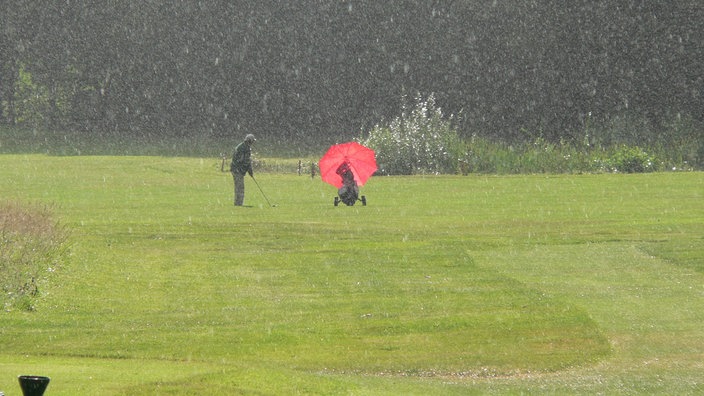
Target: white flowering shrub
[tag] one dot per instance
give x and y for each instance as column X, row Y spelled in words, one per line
column 419, row 141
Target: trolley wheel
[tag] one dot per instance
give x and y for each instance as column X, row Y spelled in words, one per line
column 337, row 201
column 364, row 200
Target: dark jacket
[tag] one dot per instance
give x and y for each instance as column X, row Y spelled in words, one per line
column 242, row 159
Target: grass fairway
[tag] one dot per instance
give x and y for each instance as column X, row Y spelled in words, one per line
column 441, row 285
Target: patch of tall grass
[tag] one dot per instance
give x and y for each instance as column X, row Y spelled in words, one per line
column 490, row 157
column 32, row 246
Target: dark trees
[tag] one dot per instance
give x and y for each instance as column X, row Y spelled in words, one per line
column 513, row 69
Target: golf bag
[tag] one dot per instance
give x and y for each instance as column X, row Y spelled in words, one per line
column 348, row 194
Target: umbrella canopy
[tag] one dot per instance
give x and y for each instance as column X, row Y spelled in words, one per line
column 359, row 158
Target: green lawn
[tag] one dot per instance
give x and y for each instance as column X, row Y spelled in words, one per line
column 441, row 285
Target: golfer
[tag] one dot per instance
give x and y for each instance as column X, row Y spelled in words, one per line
column 241, row 165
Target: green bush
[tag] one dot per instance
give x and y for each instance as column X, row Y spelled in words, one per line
column 632, row 160
column 419, row 141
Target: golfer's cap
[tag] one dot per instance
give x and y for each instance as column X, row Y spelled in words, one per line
column 250, row 138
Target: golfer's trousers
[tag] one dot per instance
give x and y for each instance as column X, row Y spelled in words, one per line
column 239, row 188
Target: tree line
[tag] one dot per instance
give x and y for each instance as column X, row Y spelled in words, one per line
column 509, row 70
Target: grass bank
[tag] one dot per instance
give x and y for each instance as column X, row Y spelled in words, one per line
column 441, row 285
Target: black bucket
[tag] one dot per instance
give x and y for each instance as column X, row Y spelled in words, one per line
column 33, row 385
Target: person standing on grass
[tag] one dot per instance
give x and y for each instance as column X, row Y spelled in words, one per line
column 241, row 165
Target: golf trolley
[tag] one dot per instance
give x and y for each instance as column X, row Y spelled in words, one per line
column 350, row 202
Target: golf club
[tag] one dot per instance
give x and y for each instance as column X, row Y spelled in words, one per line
column 262, row 191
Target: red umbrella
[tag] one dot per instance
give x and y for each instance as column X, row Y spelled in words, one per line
column 360, row 159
